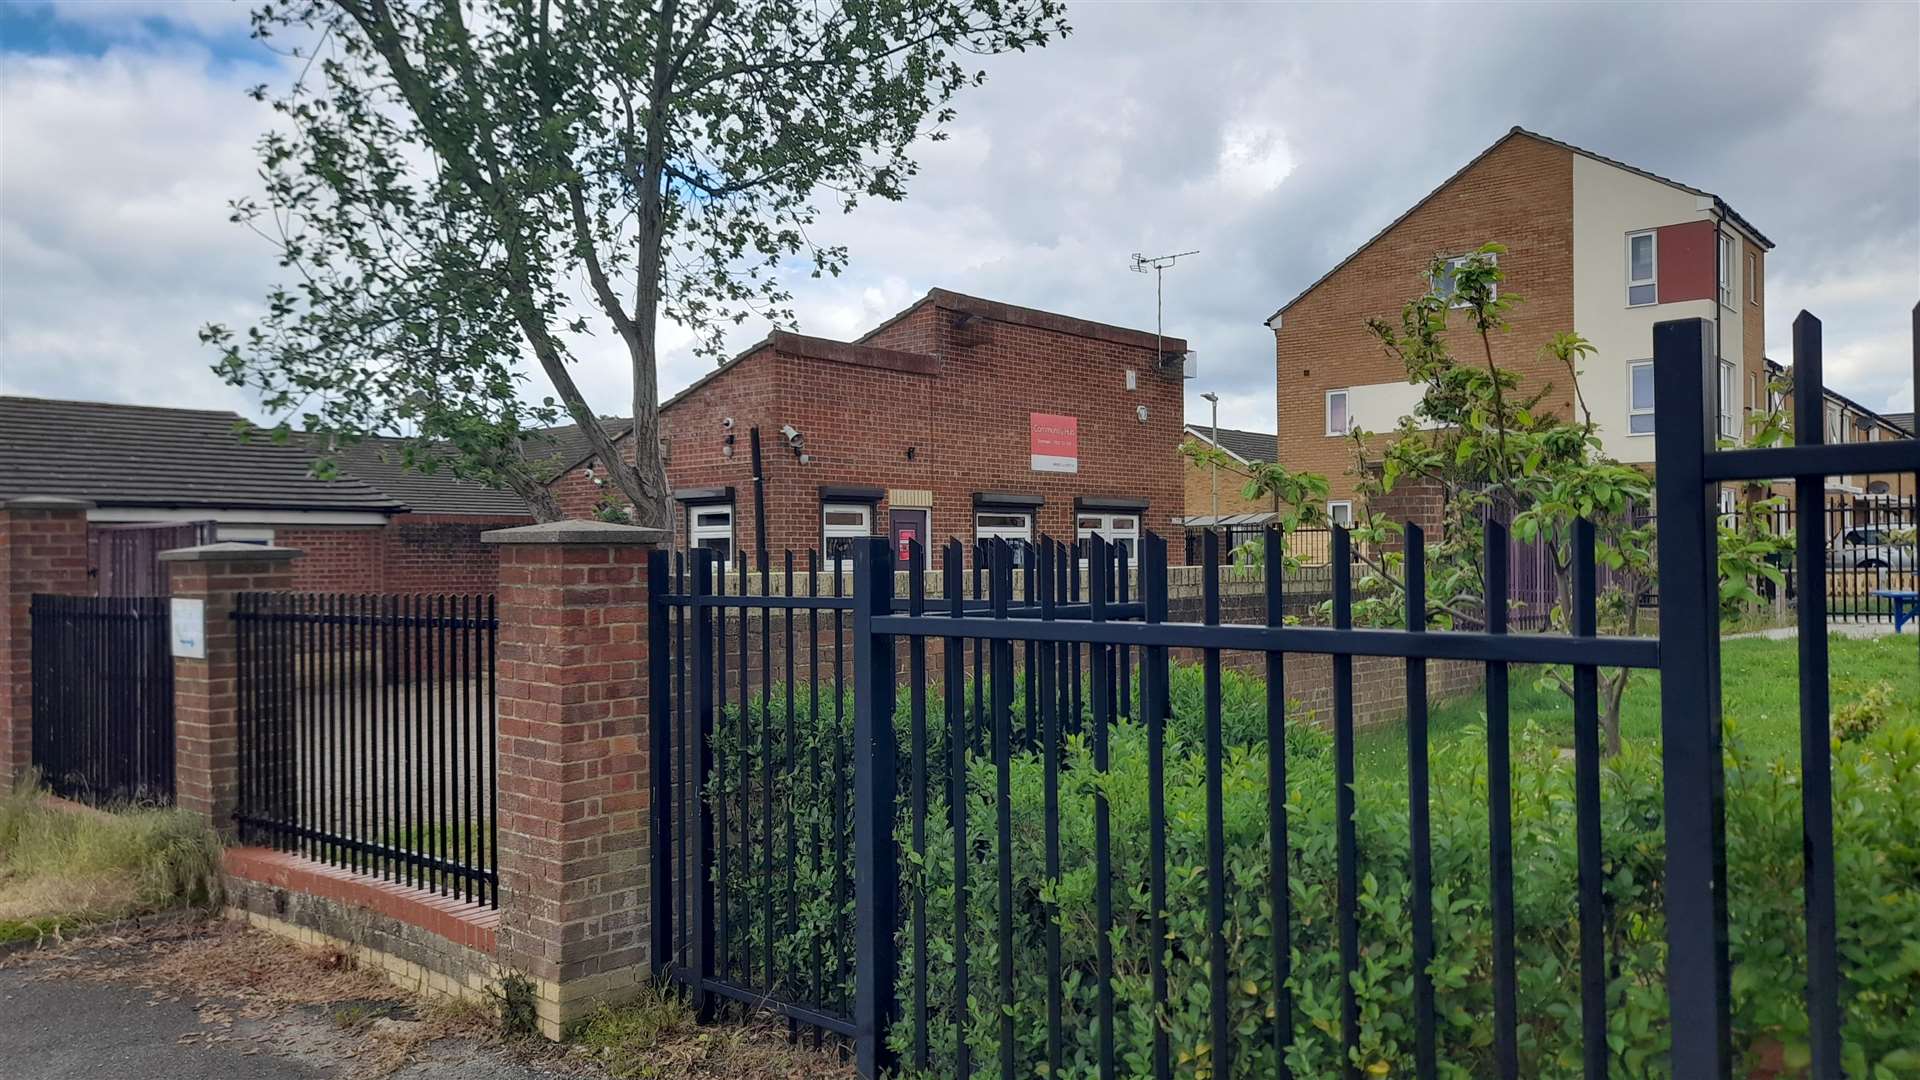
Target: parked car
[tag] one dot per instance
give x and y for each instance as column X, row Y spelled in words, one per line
column 1872, row 547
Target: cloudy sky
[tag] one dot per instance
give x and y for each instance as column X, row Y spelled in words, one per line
column 1273, row 138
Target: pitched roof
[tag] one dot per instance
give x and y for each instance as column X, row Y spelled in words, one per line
column 381, row 463
column 556, row 450
column 1519, row 132
column 137, row 455
column 1902, row 420
column 1249, row 446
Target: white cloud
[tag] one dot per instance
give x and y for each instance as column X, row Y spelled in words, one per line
column 1254, row 159
column 1272, row 139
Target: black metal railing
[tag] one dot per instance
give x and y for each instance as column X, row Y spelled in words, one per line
column 929, row 824
column 103, row 697
column 1699, row 968
column 754, row 881
column 367, row 735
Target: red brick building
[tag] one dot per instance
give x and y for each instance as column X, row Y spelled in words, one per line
column 957, row 417
column 163, row 478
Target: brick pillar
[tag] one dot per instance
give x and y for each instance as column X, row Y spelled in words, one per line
column 206, row 700
column 573, row 762
column 43, row 549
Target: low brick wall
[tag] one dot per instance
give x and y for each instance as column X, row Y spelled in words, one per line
column 421, row 942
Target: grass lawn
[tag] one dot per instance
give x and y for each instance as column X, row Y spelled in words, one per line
column 1759, row 688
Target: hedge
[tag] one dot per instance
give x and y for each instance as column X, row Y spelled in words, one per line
column 1877, row 837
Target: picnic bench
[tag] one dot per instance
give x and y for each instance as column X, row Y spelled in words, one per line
column 1906, row 605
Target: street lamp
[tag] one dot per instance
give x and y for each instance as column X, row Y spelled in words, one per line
column 1214, row 462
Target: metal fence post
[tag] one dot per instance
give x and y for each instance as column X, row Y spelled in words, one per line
column 702, row 736
column 660, row 760
column 876, row 875
column 1698, row 991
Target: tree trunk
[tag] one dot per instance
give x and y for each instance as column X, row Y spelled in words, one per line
column 539, row 497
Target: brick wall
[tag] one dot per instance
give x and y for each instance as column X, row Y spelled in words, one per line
column 441, row 553
column 1520, row 194
column 43, row 549
column 336, row 560
column 573, row 788
column 412, row 553
column 957, row 425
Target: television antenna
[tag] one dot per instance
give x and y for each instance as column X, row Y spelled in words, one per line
column 1159, row 265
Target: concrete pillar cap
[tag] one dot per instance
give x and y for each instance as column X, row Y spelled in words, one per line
column 574, row 531
column 230, row 551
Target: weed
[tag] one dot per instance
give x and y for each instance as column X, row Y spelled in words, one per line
column 514, row 998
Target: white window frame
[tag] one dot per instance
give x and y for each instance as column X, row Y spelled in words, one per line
column 698, row 533
column 1104, row 524
column 1340, row 512
column 1346, row 411
column 1020, row 535
column 1653, row 277
column 1433, row 285
column 1836, row 421
column 1753, row 277
column 830, row 532
column 1726, row 269
column 1633, row 412
column 1728, row 406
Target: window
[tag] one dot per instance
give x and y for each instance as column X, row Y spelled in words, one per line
column 1443, row 282
column 1119, row 530
column 1753, row 278
column 840, row 525
column 1753, row 395
column 1727, row 405
column 710, row 528
column 1014, row 528
column 1643, row 269
column 1640, row 398
column 240, row 534
column 1338, row 423
column 1836, row 429
column 1340, row 513
column 1726, row 270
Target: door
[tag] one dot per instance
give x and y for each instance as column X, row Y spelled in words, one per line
column 906, row 526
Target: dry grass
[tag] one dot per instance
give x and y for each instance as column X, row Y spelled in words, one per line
column 199, row 958
column 655, row 1038
column 63, row 866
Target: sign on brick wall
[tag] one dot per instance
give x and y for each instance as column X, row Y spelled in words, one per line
column 1055, row 442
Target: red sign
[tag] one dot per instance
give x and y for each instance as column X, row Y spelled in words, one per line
column 1054, row 442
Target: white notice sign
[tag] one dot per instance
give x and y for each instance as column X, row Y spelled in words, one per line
column 190, row 628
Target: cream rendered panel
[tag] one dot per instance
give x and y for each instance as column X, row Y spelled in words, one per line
column 1379, row 406
column 1609, row 203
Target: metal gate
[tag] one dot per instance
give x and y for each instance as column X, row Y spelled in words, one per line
column 103, row 697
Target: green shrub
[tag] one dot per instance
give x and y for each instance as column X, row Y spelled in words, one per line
column 1877, row 832
column 1855, row 720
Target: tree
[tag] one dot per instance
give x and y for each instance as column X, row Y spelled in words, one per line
column 1298, row 498
column 1497, row 454
column 457, row 172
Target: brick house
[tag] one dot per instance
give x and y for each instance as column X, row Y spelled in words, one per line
column 1845, row 420
column 1205, row 501
column 161, row 478
column 1593, row 245
column 957, row 417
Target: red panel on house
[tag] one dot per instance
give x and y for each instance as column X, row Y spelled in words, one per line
column 1687, row 269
